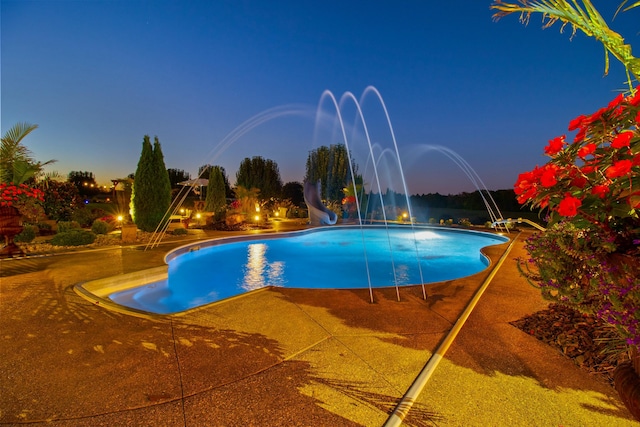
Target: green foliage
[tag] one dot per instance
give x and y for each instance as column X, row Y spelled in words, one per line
column 44, row 227
column 586, row 19
column 151, row 196
column 216, row 200
column 246, row 199
column 261, row 174
column 83, row 216
column 180, row 232
column 65, row 226
column 77, row 237
column 465, row 222
column 100, row 227
column 294, row 192
column 330, row 166
column 61, row 199
column 28, row 234
column 16, row 164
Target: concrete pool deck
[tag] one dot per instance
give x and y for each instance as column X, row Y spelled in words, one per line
column 282, row 357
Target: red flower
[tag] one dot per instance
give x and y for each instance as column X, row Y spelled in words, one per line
column 635, row 99
column 555, row 146
column 580, row 135
column 576, row 123
column 579, row 181
column 569, row 205
column 548, row 177
column 586, row 150
column 616, row 101
column 622, row 139
column 597, row 115
column 600, row 190
column 348, row 199
column 544, row 202
column 526, row 180
column 618, row 169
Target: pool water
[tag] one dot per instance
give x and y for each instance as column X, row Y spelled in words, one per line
column 332, row 257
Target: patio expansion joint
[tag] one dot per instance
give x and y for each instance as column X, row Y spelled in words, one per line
column 342, row 343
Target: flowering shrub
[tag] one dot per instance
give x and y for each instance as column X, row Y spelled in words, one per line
column 26, row 199
column 61, row 200
column 12, row 195
column 595, row 177
column 589, row 258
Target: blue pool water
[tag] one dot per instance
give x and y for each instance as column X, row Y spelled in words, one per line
column 333, row 257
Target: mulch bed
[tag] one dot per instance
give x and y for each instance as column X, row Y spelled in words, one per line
column 592, row 345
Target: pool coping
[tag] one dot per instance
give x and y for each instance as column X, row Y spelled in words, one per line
column 97, row 291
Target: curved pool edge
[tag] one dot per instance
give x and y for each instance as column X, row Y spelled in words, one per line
column 98, row 291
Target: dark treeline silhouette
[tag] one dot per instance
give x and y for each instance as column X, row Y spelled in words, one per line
column 505, row 199
column 457, row 207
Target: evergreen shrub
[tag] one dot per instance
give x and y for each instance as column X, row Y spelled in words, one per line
column 180, row 231
column 100, row 227
column 27, row 235
column 65, row 226
column 76, row 237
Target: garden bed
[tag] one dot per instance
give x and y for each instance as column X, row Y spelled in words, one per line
column 592, row 345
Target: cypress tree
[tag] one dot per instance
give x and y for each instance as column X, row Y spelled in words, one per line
column 216, row 195
column 140, row 199
column 151, row 195
column 162, row 185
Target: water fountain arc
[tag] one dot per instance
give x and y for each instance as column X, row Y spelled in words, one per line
column 240, row 130
column 492, row 207
column 347, row 98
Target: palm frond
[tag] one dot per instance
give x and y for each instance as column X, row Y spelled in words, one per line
column 636, row 4
column 586, row 19
column 19, row 131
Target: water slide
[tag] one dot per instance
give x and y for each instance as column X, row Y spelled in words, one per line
column 319, row 214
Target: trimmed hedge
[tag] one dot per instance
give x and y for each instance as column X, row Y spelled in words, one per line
column 180, row 231
column 27, row 235
column 100, row 227
column 76, row 237
column 64, row 226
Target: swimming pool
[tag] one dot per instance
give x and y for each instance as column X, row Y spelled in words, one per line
column 326, row 257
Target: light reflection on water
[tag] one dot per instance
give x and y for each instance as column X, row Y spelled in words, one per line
column 258, row 271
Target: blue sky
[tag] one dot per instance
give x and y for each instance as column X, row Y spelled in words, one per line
column 96, row 76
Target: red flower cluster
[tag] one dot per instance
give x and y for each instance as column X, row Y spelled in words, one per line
column 11, row 193
column 348, row 199
column 597, row 171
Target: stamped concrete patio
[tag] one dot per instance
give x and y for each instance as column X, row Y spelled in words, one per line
column 281, row 357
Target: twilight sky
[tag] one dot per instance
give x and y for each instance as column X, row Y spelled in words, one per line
column 218, row 81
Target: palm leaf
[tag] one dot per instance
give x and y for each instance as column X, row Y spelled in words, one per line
column 586, row 19
column 16, row 162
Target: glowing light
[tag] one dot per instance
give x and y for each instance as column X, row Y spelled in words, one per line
column 120, row 218
column 198, row 216
column 257, row 217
